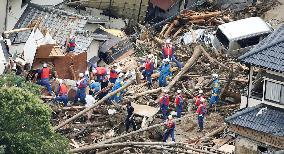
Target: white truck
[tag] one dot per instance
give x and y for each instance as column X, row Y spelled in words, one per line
column 237, row 37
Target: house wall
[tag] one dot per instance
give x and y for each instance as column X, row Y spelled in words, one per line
column 2, row 15
column 124, row 8
column 245, row 146
column 251, row 101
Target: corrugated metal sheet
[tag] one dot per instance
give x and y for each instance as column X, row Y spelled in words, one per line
column 262, row 118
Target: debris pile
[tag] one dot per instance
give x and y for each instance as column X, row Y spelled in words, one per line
column 48, row 35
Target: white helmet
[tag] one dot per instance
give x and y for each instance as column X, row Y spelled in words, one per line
column 86, row 72
column 170, row 116
column 92, row 81
column 60, row 81
column 200, row 91
column 81, row 75
column 121, row 75
column 94, row 71
column 168, row 40
column 166, row 60
column 115, row 65
column 178, row 91
column 202, row 100
column 44, row 65
column 215, row 75
column 165, row 90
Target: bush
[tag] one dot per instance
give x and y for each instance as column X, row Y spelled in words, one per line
column 25, row 120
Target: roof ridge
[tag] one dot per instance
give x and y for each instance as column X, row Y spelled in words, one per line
column 242, row 111
column 264, row 40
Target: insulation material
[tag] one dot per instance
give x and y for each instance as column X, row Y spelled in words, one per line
column 30, row 48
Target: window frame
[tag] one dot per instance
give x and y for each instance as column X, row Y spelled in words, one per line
column 266, row 80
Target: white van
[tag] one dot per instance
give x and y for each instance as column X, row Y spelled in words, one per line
column 239, row 36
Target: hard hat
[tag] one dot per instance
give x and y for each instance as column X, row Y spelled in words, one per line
column 202, row 100
column 121, row 75
column 115, row 65
column 81, row 75
column 200, row 91
column 168, row 40
column 166, row 60
column 44, row 65
column 86, row 72
column 92, row 81
column 215, row 75
column 165, row 90
column 72, row 36
column 94, row 71
column 60, row 81
column 178, row 91
column 170, row 116
column 14, row 67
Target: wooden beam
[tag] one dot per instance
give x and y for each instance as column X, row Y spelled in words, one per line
column 17, row 30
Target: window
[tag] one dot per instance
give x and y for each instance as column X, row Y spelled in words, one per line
column 222, row 38
column 274, row 92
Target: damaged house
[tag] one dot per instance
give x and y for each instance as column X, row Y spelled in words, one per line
column 259, row 125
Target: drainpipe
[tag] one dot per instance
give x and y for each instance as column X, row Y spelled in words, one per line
column 6, row 16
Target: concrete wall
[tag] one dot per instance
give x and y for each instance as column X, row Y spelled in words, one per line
column 2, row 15
column 245, row 146
column 123, row 8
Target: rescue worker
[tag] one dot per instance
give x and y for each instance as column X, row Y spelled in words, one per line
column 168, row 52
column 71, row 44
column 94, row 87
column 118, row 84
column 100, row 73
column 81, row 91
column 44, row 78
column 62, row 93
column 201, row 110
column 104, row 89
column 198, row 98
column 164, row 104
column 170, row 125
column 113, row 73
column 129, row 118
column 149, row 70
column 179, row 103
column 165, row 73
column 216, row 86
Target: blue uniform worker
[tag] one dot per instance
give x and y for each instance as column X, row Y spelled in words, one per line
column 179, row 103
column 164, row 104
column 170, row 124
column 216, row 86
column 149, row 70
column 81, row 91
column 62, row 93
column 168, row 52
column 94, row 87
column 165, row 72
column 118, row 84
column 44, row 78
column 201, row 110
column 129, row 118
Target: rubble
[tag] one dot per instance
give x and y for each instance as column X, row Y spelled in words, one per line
column 41, row 36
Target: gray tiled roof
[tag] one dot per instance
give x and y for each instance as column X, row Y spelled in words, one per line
column 58, row 23
column 262, row 118
column 269, row 53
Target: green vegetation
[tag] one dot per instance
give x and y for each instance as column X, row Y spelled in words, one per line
column 25, row 120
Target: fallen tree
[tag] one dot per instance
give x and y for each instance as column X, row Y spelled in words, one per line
column 127, row 144
column 94, row 105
